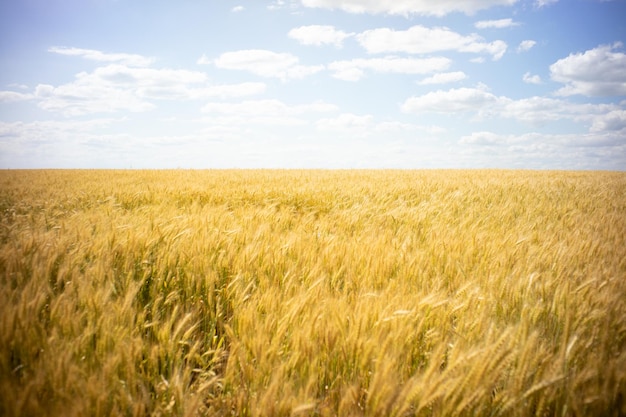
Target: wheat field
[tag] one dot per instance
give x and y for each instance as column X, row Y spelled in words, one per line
column 312, row 293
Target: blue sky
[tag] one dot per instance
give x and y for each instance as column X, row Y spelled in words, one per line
column 533, row 84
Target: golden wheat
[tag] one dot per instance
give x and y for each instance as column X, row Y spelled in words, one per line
column 373, row 293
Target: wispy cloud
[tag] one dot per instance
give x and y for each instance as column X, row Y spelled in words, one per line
column 444, row 78
column 14, row 96
column 94, row 55
column 292, row 5
column 452, row 101
column 265, row 64
column 353, row 70
column 528, row 78
column 495, row 24
column 526, row 45
column 543, row 3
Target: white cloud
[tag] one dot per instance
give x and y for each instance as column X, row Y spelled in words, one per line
column 534, row 111
column 133, row 60
column 117, row 87
column 88, row 94
column 531, row 79
column 127, row 83
column 444, row 78
column 596, row 72
column 495, row 24
column 265, row 64
column 538, row 111
column 420, row 40
column 237, row 9
column 144, row 77
column 408, row 7
column 319, row 35
column 526, row 45
column 353, row 70
column 451, row 101
column 613, row 121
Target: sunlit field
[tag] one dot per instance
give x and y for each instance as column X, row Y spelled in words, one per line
column 312, row 293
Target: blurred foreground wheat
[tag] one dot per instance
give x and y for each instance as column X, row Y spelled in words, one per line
column 374, row 293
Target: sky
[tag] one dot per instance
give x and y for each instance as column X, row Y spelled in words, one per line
column 339, row 84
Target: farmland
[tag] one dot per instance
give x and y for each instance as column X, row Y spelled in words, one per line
column 352, row 293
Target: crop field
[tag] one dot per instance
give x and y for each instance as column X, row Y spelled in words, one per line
column 312, row 293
